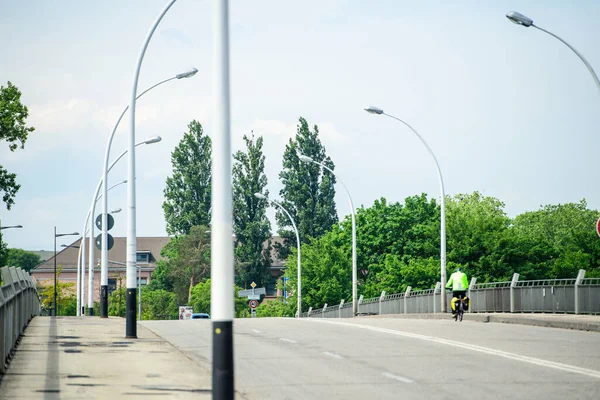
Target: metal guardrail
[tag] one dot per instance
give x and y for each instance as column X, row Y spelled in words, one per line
column 19, row 303
column 576, row 296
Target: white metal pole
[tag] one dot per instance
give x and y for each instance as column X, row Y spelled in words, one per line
column 83, row 258
column 299, row 289
column 79, row 276
column 104, row 250
column 442, row 216
column 222, row 304
column 91, row 254
column 130, row 320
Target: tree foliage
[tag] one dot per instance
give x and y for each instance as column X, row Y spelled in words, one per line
column 64, row 296
column 188, row 191
column 14, row 130
column 251, row 225
column 308, row 193
column 200, row 300
column 188, row 263
column 275, row 308
column 22, row 259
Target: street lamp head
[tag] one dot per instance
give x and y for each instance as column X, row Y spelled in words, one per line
column 374, row 110
column 304, row 158
column 519, row 19
column 187, row 73
column 154, row 139
column 10, row 227
column 260, row 196
column 118, row 210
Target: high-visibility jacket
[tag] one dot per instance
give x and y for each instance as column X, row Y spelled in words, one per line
column 458, row 281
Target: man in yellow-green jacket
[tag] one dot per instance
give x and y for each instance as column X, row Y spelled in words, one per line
column 459, row 283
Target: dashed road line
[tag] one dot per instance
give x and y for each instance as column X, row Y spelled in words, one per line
column 287, row 340
column 398, row 378
column 332, row 355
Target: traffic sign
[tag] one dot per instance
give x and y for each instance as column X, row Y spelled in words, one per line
column 110, row 221
column 110, row 241
column 250, row 292
column 598, row 227
column 254, row 297
column 253, row 304
column 253, row 285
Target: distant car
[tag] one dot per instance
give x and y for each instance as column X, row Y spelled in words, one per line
column 200, row 316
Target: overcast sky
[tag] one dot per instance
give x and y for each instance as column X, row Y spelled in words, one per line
column 509, row 111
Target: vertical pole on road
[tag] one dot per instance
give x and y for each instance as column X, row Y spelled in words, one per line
column 130, row 300
column 221, row 229
column 55, row 303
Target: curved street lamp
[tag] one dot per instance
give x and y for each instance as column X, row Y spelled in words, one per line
column 55, row 280
column 522, row 20
column 130, row 320
column 379, row 111
column 104, row 251
column 307, row 159
column 88, row 220
column 263, row 197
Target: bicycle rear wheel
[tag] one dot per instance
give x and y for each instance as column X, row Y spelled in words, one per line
column 461, row 311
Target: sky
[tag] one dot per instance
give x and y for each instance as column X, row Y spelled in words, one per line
column 508, row 111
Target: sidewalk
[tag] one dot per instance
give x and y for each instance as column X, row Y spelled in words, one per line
column 565, row 321
column 89, row 358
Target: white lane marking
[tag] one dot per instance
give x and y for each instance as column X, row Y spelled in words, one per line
column 255, row 330
column 531, row 360
column 398, row 378
column 287, row 340
column 332, row 354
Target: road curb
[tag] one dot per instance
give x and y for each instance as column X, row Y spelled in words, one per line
column 566, row 321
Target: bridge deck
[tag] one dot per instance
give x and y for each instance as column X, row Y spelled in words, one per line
column 77, row 358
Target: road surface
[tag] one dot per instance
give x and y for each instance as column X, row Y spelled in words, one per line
column 381, row 358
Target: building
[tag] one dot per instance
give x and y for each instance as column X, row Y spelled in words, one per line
column 148, row 255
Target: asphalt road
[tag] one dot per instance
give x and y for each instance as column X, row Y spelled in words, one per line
column 379, row 358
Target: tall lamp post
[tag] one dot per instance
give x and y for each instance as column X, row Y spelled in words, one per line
column 307, row 159
column 152, row 140
column 104, row 250
column 88, row 220
column 130, row 300
column 263, row 197
column 379, row 111
column 522, row 20
column 55, row 280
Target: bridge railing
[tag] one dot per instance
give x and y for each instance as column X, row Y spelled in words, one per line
column 579, row 296
column 19, row 303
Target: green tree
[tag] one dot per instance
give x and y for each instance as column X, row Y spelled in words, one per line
column 250, row 223
column 14, row 130
column 158, row 304
column 478, row 236
column 64, row 296
column 23, row 259
column 188, row 190
column 187, row 263
column 308, row 193
column 397, row 246
column 116, row 300
column 275, row 308
column 556, row 241
column 200, row 300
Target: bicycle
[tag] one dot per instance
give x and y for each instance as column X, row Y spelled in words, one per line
column 460, row 310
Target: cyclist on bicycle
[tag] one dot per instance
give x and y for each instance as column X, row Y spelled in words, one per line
column 459, row 283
